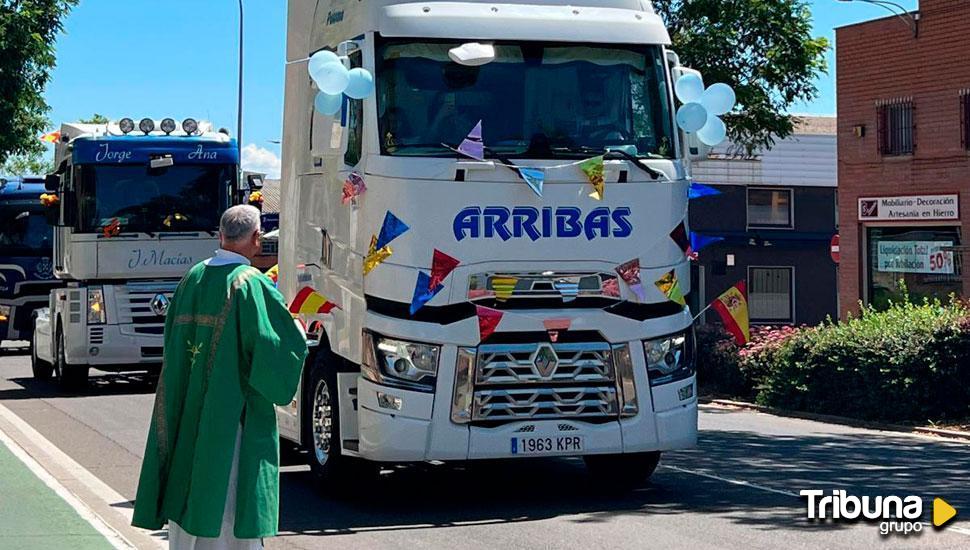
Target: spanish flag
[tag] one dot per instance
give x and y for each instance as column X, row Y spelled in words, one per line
column 733, row 308
column 52, row 137
column 311, row 302
column 274, row 273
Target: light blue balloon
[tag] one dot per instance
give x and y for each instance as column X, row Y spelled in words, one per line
column 713, row 132
column 332, row 78
column 689, row 88
column 328, row 104
column 320, row 59
column 691, row 117
column 361, row 84
column 718, row 99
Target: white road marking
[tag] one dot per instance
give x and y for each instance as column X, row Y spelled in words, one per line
column 114, row 538
column 100, row 489
column 729, row 480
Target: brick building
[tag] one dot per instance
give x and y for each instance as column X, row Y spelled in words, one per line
column 903, row 89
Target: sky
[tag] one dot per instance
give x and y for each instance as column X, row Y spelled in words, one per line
column 178, row 58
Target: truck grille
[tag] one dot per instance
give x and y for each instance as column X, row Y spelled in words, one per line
column 134, row 308
column 544, row 381
column 545, row 403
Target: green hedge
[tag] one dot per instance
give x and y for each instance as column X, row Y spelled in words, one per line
column 908, row 363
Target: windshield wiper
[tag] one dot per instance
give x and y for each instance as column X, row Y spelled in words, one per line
column 586, row 150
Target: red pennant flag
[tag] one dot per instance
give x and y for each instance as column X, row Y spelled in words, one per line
column 679, row 235
column 488, row 320
column 555, row 326
column 441, row 266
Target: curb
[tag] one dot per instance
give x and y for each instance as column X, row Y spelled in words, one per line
column 961, row 437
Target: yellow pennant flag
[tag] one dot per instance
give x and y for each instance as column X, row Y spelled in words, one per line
column 595, row 172
column 670, row 286
column 504, row 287
column 375, row 256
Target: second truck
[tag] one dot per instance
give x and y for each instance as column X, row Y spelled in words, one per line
column 136, row 208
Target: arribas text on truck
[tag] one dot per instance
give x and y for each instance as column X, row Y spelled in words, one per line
column 578, row 364
column 136, row 208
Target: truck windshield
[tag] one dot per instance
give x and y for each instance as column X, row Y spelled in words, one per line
column 143, row 199
column 24, row 230
column 535, row 100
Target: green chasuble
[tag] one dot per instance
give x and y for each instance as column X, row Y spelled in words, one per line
column 232, row 350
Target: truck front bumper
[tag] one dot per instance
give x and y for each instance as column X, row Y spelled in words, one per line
column 410, row 434
column 109, row 348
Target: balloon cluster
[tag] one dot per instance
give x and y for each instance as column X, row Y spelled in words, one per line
column 702, row 108
column 335, row 81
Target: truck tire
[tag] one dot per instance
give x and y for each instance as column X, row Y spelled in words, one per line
column 69, row 376
column 42, row 369
column 332, row 471
column 623, row 471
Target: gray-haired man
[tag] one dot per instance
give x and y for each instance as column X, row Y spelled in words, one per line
column 232, row 350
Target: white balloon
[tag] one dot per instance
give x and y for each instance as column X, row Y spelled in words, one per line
column 328, row 104
column 361, row 84
column 320, row 59
column 332, row 78
column 718, row 99
column 713, row 132
column 689, row 88
column 691, row 117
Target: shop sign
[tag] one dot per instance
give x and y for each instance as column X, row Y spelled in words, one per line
column 934, row 257
column 911, row 208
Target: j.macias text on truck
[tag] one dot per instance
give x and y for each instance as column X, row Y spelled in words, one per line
column 137, row 207
column 552, row 84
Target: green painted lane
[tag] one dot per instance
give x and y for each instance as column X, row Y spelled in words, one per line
column 32, row 516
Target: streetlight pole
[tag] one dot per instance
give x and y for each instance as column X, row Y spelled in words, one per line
column 239, row 105
column 911, row 19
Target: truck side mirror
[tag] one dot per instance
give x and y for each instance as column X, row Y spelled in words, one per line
column 694, row 150
column 52, row 182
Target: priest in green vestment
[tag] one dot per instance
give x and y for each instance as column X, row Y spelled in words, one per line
column 232, row 351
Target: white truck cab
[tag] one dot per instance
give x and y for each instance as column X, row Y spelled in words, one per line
column 567, row 81
column 137, row 208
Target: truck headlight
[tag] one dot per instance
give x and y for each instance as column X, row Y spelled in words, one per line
column 408, row 365
column 4, row 313
column 670, row 358
column 96, row 313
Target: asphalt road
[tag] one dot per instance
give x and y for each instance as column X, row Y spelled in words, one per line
column 738, row 489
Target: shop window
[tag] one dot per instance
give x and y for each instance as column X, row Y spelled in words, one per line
column 771, row 294
column 770, row 208
column 918, row 262
column 897, row 125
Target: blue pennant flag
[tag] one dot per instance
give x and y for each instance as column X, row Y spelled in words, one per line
column 697, row 241
column 698, row 190
column 423, row 294
column 534, row 177
column 392, row 229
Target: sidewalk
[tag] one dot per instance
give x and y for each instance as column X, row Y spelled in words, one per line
column 33, row 516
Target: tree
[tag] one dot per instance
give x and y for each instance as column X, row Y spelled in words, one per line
column 96, row 119
column 28, row 29
column 764, row 49
column 27, row 165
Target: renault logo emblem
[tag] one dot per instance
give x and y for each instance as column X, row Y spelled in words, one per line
column 545, row 360
column 159, row 305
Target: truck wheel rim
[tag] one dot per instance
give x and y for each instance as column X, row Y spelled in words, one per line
column 322, row 422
